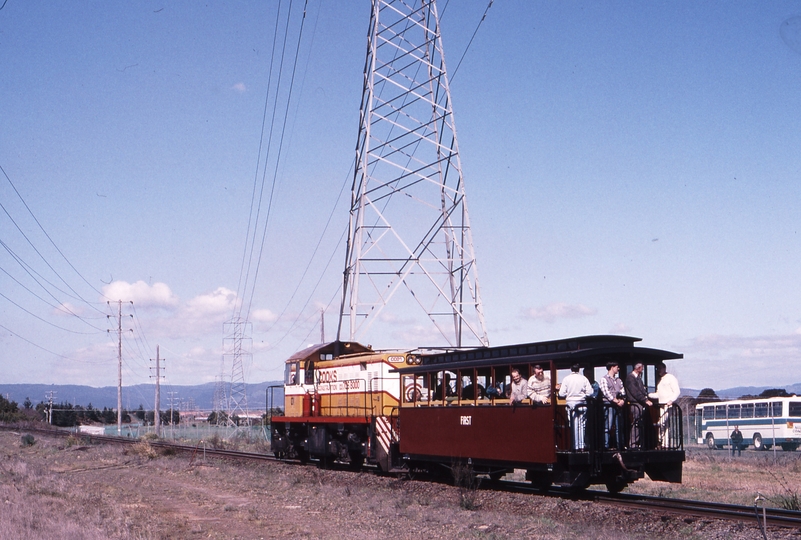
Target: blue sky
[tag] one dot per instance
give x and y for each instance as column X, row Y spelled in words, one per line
column 631, row 168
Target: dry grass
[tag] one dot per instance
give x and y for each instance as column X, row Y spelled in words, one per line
column 715, row 476
column 51, row 490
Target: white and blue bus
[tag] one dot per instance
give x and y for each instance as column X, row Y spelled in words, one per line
column 764, row 423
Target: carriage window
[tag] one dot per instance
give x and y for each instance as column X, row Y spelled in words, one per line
column 709, row 413
column 415, row 388
column 795, row 408
column 720, row 412
column 747, row 410
column 734, row 411
column 649, row 378
column 776, row 407
column 446, row 385
column 483, row 382
column 502, row 378
column 760, row 410
column 470, row 390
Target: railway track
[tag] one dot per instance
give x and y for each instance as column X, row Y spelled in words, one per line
column 774, row 517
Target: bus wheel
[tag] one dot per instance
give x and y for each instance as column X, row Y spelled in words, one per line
column 710, row 441
column 789, row 447
column 758, row 442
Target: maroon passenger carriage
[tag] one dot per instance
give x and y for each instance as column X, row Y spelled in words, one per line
column 440, row 426
column 447, row 416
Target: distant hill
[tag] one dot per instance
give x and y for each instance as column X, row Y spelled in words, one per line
column 738, row 391
column 133, row 396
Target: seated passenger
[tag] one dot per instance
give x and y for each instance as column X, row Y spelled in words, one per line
column 495, row 391
column 539, row 387
column 449, row 392
column 473, row 391
column 518, row 390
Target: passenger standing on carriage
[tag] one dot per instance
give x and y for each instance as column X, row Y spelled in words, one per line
column 518, row 388
column 667, row 392
column 575, row 389
column 638, row 399
column 613, row 394
column 539, row 387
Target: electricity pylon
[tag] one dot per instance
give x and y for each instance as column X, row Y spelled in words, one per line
column 236, row 346
column 409, row 226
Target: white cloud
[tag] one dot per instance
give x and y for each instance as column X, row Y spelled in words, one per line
column 559, row 310
column 620, row 328
column 263, row 315
column 239, row 87
column 724, row 361
column 141, row 294
column 68, row 309
column 218, row 302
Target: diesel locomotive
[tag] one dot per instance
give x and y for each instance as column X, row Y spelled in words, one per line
column 406, row 411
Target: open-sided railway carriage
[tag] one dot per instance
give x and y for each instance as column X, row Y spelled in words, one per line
column 407, row 411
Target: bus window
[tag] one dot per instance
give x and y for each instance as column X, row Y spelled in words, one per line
column 760, row 410
column 747, row 410
column 734, row 411
column 709, row 413
column 720, row 412
column 795, row 408
column 776, row 409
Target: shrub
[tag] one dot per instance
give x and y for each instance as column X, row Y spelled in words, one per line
column 27, row 440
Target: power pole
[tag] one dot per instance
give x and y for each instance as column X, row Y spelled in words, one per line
column 172, row 398
column 409, row 228
column 49, row 395
column 322, row 325
column 158, row 376
column 119, row 366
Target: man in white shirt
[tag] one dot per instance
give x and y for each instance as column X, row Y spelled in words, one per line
column 575, row 388
column 667, row 392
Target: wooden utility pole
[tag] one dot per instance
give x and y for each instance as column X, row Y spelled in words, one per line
column 157, row 411
column 119, row 369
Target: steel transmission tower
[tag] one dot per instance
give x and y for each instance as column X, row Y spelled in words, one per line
column 236, row 346
column 409, row 229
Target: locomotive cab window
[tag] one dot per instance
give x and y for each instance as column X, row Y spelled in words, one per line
column 291, row 373
column 309, row 372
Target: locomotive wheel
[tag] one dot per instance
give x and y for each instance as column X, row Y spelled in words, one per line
column 758, row 444
column 495, row 476
column 541, row 483
column 710, row 441
column 616, row 485
column 356, row 460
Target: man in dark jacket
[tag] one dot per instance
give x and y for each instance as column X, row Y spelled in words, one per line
column 736, row 441
column 638, row 399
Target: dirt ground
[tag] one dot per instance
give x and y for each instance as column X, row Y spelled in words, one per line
column 59, row 488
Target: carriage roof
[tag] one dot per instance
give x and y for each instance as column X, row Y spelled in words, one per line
column 589, row 351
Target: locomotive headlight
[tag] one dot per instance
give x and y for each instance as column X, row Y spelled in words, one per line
column 410, row 360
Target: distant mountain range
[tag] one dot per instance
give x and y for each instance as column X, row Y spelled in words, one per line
column 201, row 395
column 734, row 393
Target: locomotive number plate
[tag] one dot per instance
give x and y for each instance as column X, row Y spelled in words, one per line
column 467, row 420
